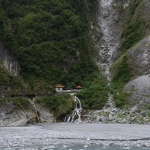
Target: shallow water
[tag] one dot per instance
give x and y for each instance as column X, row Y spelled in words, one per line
column 74, row 147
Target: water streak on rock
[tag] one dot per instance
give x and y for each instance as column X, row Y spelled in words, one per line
column 35, row 110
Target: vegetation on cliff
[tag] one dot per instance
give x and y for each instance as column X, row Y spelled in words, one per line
column 134, row 28
column 52, row 44
column 9, row 84
column 17, row 102
column 58, row 104
column 122, row 71
column 50, row 40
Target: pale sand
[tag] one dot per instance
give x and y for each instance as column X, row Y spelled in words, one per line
column 82, row 133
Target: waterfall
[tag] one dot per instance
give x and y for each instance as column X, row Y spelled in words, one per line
column 76, row 112
column 109, row 42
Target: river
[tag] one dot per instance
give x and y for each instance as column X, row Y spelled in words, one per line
column 69, row 136
column 75, row 147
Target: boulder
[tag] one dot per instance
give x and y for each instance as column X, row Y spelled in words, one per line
column 139, row 90
column 140, row 57
column 45, row 115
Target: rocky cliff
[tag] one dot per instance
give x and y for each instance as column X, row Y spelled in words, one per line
column 139, row 57
column 11, row 115
column 134, row 53
column 8, row 60
column 124, row 45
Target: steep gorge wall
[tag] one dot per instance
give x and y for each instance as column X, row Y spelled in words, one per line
column 134, row 53
column 106, row 32
column 130, row 61
column 10, row 81
column 121, row 36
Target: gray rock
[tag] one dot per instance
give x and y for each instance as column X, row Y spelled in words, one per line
column 11, row 116
column 9, row 106
column 110, row 117
column 134, row 109
column 46, row 116
column 20, row 122
column 143, row 113
column 141, row 57
column 98, row 119
column 103, row 119
column 8, row 60
column 139, row 90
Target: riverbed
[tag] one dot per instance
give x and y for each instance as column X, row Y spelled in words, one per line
column 127, row 135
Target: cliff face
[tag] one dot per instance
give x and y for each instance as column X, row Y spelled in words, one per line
column 130, row 61
column 132, row 68
column 10, row 115
column 140, row 57
column 139, row 87
column 121, row 35
column 8, row 60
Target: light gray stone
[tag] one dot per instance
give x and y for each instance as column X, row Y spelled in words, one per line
column 141, row 57
column 139, row 90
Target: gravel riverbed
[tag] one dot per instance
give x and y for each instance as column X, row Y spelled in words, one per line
column 81, row 133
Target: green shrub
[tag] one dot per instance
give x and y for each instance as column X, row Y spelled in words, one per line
column 121, row 99
column 59, row 104
column 95, row 94
column 123, row 72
